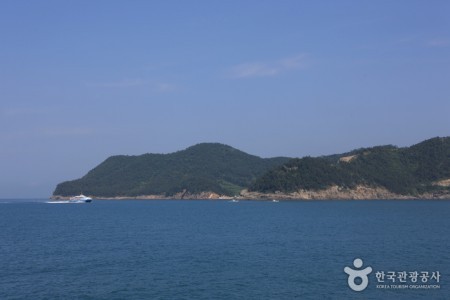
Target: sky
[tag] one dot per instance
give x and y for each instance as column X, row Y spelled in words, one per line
column 83, row 80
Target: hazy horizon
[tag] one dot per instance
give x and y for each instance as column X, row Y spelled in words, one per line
column 81, row 81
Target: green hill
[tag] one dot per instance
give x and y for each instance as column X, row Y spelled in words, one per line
column 208, row 167
column 407, row 171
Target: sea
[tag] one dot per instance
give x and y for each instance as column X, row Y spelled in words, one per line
column 216, row 249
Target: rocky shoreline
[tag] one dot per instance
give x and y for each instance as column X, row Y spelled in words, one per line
column 359, row 192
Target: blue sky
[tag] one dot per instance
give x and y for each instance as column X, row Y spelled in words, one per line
column 83, row 80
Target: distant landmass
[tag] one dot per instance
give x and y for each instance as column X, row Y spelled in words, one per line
column 383, row 172
column 212, row 170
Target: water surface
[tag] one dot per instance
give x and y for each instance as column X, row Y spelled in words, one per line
column 164, row 249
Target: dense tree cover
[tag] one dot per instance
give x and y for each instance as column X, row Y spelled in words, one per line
column 401, row 170
column 204, row 167
column 224, row 170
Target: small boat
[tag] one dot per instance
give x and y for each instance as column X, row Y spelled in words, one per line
column 80, row 199
column 76, row 199
column 275, row 200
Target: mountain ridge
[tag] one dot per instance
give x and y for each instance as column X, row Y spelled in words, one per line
column 400, row 172
column 213, row 170
column 211, row 167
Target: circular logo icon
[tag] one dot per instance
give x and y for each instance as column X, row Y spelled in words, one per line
column 353, row 274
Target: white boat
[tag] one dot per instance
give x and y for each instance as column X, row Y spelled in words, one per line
column 80, row 199
column 275, row 200
column 76, row 199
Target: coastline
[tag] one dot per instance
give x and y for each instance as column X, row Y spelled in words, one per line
column 359, row 192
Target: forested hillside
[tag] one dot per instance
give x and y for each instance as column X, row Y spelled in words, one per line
column 421, row 168
column 408, row 171
column 204, row 167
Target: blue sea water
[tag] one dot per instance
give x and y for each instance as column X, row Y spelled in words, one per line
column 167, row 249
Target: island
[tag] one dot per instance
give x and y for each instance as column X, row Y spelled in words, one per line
column 217, row 171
